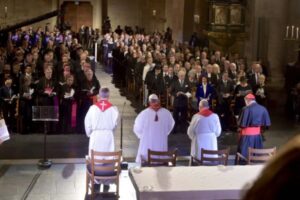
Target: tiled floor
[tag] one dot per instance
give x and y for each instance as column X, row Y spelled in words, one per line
column 60, row 182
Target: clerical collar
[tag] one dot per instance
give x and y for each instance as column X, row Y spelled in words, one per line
column 155, row 107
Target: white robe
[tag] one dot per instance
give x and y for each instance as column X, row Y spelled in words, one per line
column 99, row 127
column 203, row 131
column 152, row 134
column 4, row 134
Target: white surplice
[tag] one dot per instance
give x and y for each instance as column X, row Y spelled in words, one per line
column 99, row 127
column 4, row 134
column 203, row 131
column 152, row 134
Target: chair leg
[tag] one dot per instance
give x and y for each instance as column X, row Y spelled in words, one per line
column 191, row 161
column 87, row 184
column 92, row 191
column 117, row 189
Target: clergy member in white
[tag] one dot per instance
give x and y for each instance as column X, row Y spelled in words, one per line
column 100, row 123
column 204, row 129
column 152, row 126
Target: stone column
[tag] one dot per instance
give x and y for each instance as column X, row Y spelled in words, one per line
column 188, row 21
column 97, row 14
column 174, row 18
column 267, row 20
column 293, row 19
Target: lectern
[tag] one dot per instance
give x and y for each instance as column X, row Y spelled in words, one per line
column 45, row 114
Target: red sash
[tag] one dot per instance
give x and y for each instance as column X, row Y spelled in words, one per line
column 103, row 105
column 250, row 130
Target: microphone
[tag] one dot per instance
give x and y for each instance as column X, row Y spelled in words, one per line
column 121, row 127
column 124, row 165
column 123, row 108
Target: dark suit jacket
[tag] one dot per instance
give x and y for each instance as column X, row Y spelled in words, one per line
column 154, row 83
column 213, row 80
column 180, row 100
column 169, row 81
column 223, row 89
column 252, row 81
column 6, row 93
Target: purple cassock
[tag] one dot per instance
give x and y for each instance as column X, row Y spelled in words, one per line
column 252, row 118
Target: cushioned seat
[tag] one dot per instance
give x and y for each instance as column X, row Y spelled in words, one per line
column 103, row 168
column 102, row 173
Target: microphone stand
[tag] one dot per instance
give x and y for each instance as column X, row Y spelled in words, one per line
column 124, row 165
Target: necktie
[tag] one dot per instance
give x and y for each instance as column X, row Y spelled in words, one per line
column 256, row 78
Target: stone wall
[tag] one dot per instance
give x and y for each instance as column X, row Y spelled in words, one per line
column 18, row 11
column 124, row 12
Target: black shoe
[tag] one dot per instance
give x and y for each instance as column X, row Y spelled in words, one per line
column 106, row 188
column 96, row 187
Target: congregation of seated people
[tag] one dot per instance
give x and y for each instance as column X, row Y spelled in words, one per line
column 182, row 74
column 46, row 68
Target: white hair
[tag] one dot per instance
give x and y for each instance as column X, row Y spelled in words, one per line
column 204, row 103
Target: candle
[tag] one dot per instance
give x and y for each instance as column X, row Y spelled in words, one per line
column 5, row 9
column 96, row 51
column 153, row 12
column 297, row 33
column 287, row 32
column 292, row 32
column 196, row 19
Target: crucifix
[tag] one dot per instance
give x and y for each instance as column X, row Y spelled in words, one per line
column 103, row 104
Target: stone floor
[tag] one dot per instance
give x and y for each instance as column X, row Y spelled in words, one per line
column 60, row 182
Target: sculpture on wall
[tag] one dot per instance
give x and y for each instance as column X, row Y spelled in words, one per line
column 235, row 14
column 220, row 15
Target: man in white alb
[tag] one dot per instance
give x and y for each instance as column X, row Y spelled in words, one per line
column 100, row 123
column 152, row 126
column 204, row 129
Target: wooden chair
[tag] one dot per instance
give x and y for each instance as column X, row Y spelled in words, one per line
column 211, row 157
column 161, row 158
column 103, row 166
column 257, row 156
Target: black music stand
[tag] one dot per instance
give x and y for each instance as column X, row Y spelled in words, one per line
column 45, row 114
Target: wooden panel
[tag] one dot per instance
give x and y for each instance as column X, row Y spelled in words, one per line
column 77, row 15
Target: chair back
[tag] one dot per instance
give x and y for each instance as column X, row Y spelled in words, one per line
column 162, row 158
column 105, row 167
column 214, row 157
column 108, row 163
column 258, row 156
